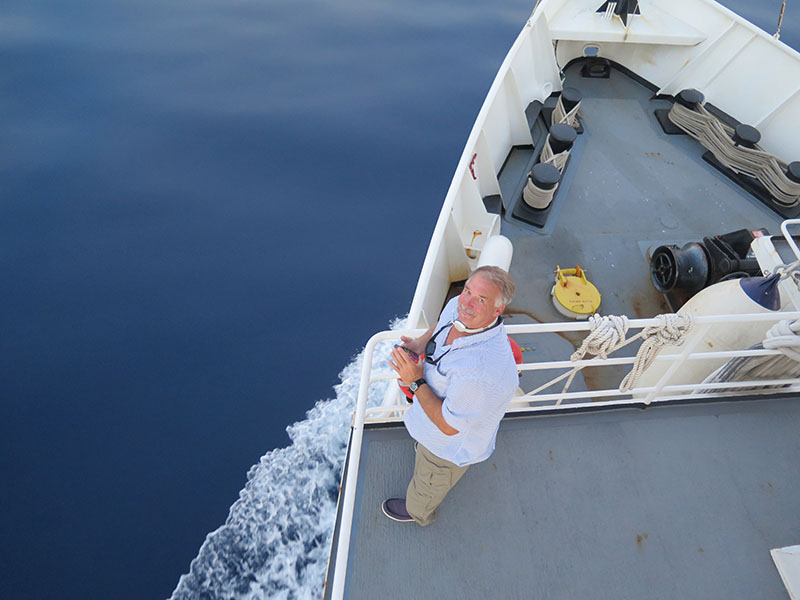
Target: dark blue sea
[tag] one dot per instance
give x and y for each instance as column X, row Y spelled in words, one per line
column 206, row 209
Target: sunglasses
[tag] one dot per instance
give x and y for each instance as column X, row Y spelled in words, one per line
column 430, row 348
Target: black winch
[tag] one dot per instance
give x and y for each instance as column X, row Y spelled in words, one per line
column 679, row 273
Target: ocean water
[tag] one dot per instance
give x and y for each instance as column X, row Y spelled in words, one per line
column 207, row 209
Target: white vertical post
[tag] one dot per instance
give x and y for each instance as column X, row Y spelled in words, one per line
column 788, row 236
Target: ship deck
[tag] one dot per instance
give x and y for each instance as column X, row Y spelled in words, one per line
column 628, row 188
column 677, row 501
column 681, row 501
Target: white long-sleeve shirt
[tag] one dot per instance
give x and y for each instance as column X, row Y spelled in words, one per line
column 476, row 379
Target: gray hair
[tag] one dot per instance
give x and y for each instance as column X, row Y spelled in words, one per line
column 499, row 278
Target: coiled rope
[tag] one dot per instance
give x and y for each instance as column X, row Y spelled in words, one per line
column 557, row 160
column 608, row 335
column 784, row 337
column 672, row 331
column 754, row 162
column 560, row 115
column 536, row 197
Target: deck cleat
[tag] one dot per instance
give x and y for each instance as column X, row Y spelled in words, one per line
column 573, row 295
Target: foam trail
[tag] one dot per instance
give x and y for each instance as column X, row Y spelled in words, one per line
column 275, row 542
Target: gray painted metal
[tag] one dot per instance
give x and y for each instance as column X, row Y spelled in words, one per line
column 681, row 501
column 674, row 502
column 628, row 188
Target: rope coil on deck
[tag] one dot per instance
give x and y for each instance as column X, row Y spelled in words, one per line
column 783, row 336
column 753, row 162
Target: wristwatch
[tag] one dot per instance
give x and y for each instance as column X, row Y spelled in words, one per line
column 414, row 385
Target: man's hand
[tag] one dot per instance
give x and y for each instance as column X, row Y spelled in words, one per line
column 405, row 366
column 410, row 371
column 416, row 345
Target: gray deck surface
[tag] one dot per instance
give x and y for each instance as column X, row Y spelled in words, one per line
column 672, row 502
column 628, row 187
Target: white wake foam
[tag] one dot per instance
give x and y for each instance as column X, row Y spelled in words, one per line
column 275, row 542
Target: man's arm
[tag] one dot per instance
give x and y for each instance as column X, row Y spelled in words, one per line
column 432, row 405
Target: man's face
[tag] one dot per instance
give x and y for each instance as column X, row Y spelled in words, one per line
column 476, row 304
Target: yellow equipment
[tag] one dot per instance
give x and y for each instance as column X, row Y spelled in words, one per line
column 573, row 295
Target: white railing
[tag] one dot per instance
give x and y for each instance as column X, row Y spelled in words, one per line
column 660, row 392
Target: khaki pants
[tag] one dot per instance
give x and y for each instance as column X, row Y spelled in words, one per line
column 433, row 478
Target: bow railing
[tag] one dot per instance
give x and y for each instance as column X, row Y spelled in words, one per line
column 545, row 399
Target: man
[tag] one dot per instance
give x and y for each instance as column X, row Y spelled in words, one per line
column 462, row 384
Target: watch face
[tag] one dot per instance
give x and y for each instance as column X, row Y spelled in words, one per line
column 413, row 387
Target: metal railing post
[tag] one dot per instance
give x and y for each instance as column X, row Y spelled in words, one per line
column 702, row 325
column 348, row 502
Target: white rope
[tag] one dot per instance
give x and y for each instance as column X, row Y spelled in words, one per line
column 557, row 160
column 753, row 162
column 608, row 335
column 784, row 336
column 536, row 197
column 789, row 270
column 560, row 114
column 672, row 331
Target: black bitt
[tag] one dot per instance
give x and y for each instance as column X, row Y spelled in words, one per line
column 570, row 98
column 746, row 135
column 793, row 171
column 562, row 136
column 689, row 98
column 545, row 176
